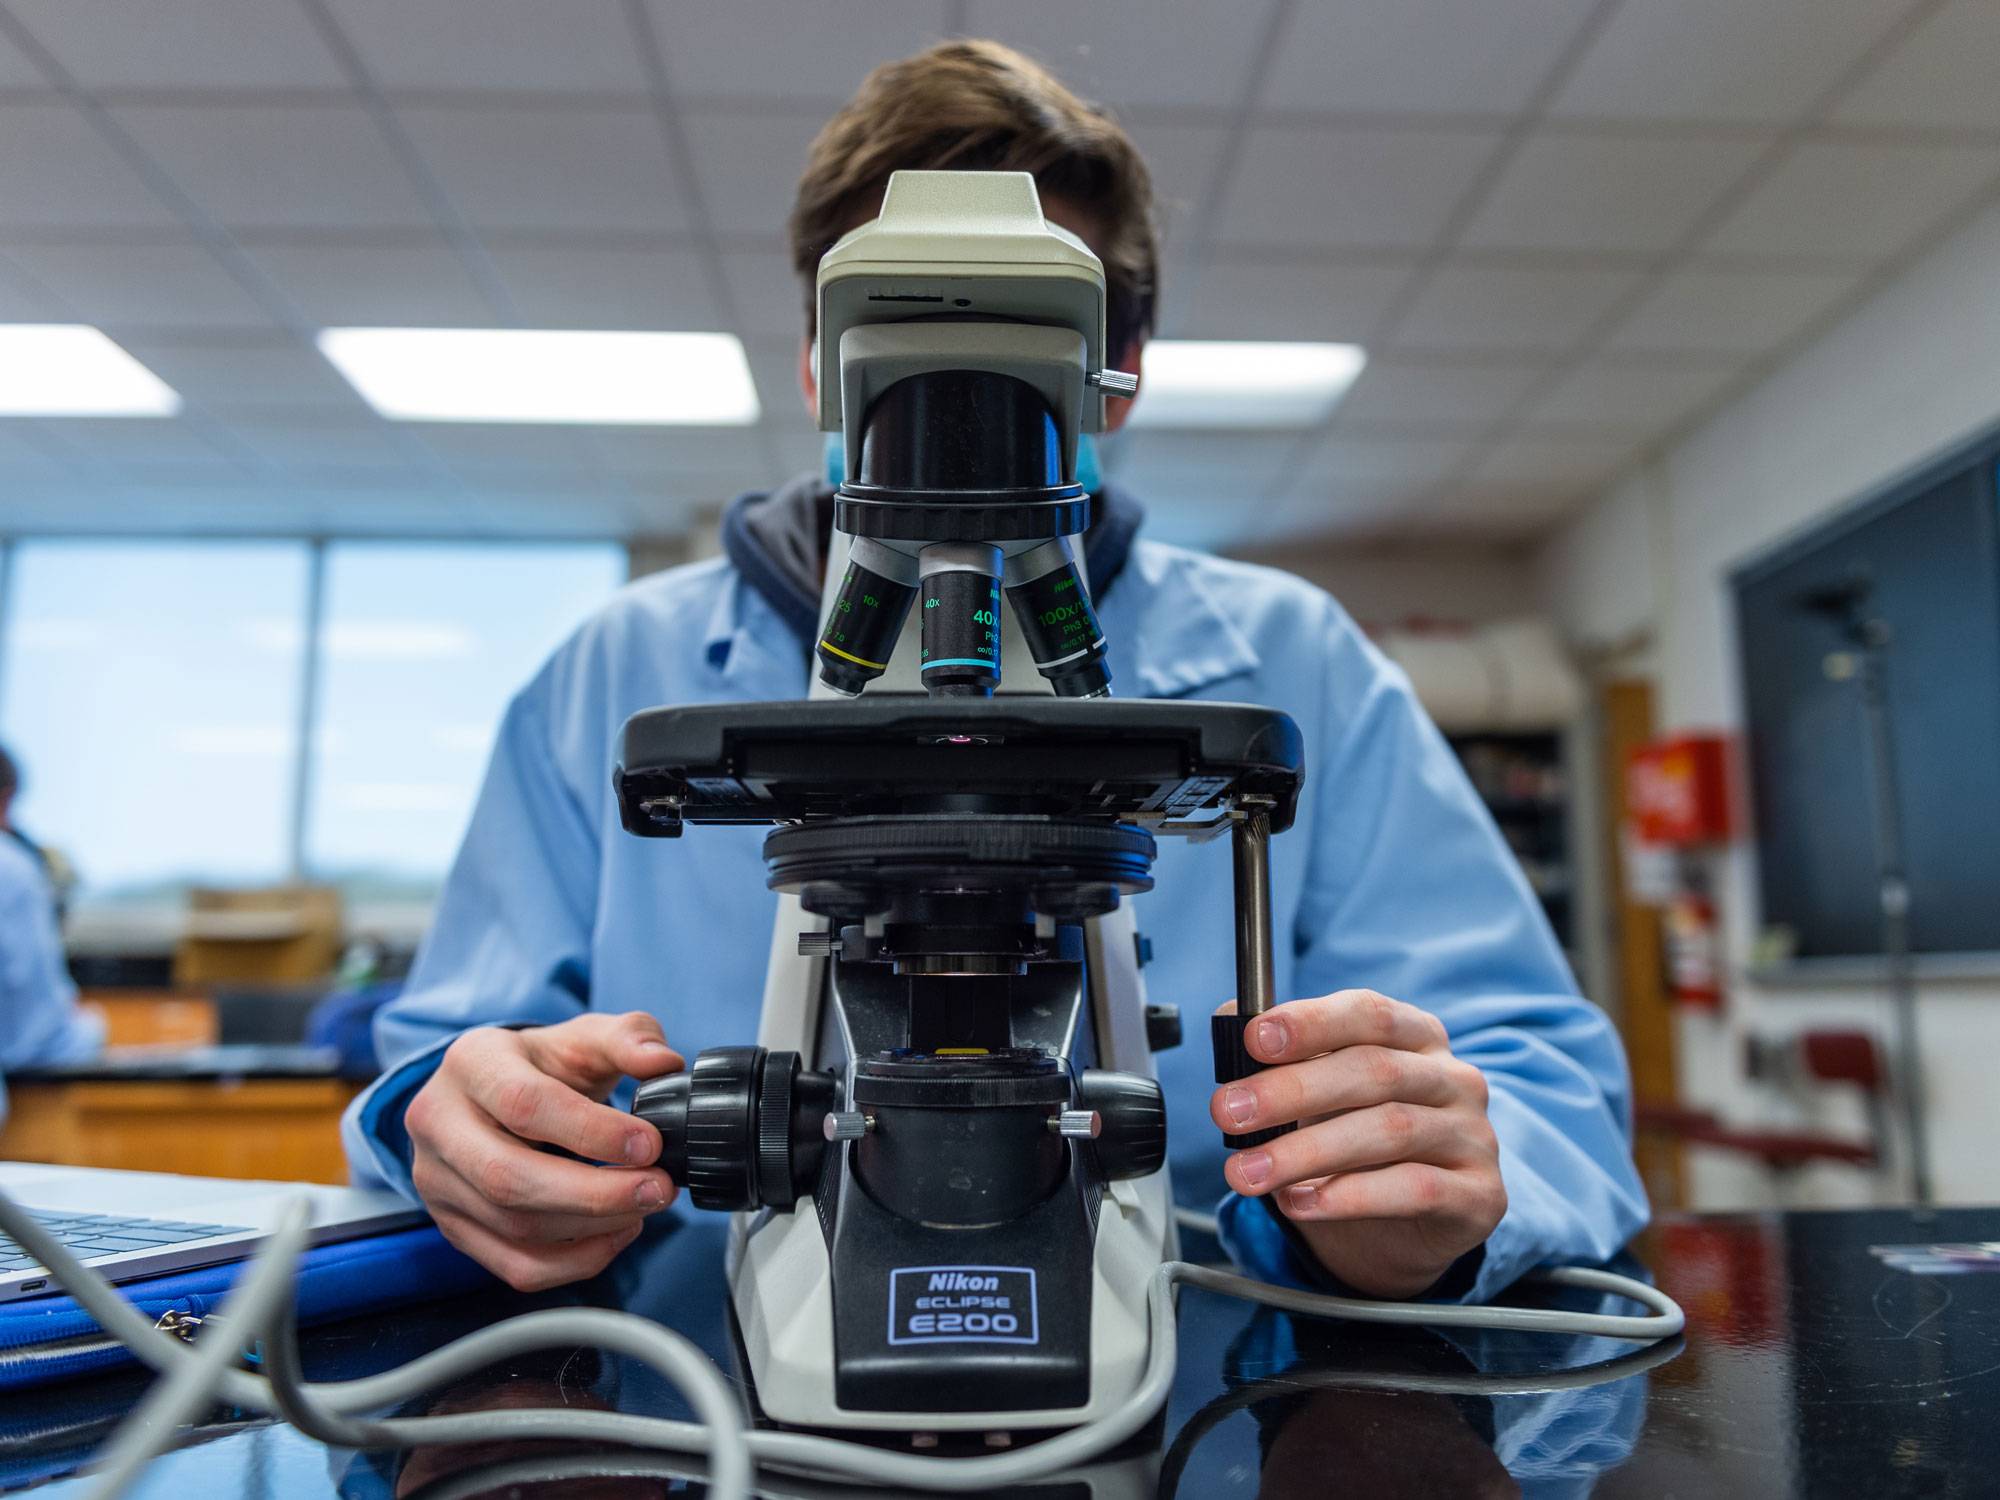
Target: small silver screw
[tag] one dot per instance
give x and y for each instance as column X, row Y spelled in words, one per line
column 846, row 1125
column 1078, row 1124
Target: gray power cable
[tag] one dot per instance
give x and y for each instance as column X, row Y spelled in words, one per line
column 176, row 1401
column 325, row 1411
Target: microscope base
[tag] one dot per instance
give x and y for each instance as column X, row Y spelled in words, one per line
column 781, row 1281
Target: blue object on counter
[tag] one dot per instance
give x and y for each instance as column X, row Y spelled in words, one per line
column 52, row 1338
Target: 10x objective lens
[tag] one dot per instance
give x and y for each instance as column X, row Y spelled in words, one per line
column 866, row 617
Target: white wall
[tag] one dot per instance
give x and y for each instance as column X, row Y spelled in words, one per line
column 1384, row 584
column 1910, row 372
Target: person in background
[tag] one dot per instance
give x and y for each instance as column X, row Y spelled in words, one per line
column 40, row 1019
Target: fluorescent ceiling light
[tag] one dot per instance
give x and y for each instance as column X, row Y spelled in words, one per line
column 546, row 375
column 1203, row 383
column 71, row 370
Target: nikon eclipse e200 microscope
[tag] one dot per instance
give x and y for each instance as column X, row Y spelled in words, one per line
column 946, row 1153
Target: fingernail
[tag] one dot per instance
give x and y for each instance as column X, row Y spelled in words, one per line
column 1301, row 1197
column 649, row 1196
column 651, row 1045
column 1270, row 1036
column 638, row 1149
column 1254, row 1166
column 1239, row 1104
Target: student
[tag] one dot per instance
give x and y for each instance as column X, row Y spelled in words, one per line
column 40, row 1020
column 1470, row 1127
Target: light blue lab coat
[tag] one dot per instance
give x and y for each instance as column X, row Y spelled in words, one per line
column 1393, row 878
column 40, row 1021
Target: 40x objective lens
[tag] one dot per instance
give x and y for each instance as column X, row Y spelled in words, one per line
column 961, row 620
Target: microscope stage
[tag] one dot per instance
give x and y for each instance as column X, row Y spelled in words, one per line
column 1160, row 762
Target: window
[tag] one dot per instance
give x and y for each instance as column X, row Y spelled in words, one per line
column 151, row 695
column 421, row 647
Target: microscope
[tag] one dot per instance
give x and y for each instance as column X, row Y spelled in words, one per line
column 945, row 1155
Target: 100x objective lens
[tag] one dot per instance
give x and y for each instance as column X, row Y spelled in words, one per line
column 1046, row 589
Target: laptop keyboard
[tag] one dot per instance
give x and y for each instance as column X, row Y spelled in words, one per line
column 95, row 1236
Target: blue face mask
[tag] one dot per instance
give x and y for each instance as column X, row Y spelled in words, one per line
column 1088, row 474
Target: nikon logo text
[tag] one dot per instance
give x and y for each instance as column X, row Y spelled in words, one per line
column 958, row 1281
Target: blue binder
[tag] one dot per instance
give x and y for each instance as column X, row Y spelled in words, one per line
column 52, row 1338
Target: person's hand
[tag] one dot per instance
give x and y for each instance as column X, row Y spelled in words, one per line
column 1393, row 1171
column 534, row 1219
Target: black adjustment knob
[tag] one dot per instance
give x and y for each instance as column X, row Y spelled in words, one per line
column 741, row 1128
column 1132, row 1139
column 721, row 1127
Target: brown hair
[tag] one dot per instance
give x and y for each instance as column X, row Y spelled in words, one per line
column 979, row 106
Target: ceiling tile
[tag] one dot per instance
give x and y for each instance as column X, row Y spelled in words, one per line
column 580, row 170
column 23, row 457
column 1429, row 56
column 749, row 167
column 305, row 166
column 56, row 171
column 115, row 441
column 1241, row 298
column 242, row 379
column 242, row 44
column 1368, row 464
column 652, row 451
column 802, row 52
column 1642, row 400
column 1127, row 53
column 1863, row 201
column 366, row 286
column 16, row 72
column 590, row 286
column 23, row 299
column 1729, row 311
column 776, row 373
column 1182, row 161
column 355, row 446
column 1228, row 469
column 169, row 284
column 1482, row 308
column 1606, row 193
column 579, row 46
column 768, row 299
column 1943, row 74
column 1736, row 61
column 495, row 446
column 1395, row 391
column 1350, row 188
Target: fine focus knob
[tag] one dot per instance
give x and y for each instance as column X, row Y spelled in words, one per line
column 1132, row 1132
column 740, row 1129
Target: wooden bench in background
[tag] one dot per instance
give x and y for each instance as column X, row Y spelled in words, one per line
column 166, row 1099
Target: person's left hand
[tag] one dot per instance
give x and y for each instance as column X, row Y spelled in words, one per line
column 1393, row 1172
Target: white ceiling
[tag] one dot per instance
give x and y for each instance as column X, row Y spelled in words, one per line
column 1563, row 229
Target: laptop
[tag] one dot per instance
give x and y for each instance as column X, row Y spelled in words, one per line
column 126, row 1225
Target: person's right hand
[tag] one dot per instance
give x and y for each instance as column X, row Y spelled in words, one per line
column 534, row 1219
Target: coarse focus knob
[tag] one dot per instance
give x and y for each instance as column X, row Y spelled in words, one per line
column 740, row 1129
column 1132, row 1130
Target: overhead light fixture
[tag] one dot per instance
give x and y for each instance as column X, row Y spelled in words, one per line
column 73, row 370
column 547, row 375
column 1222, row 383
